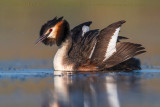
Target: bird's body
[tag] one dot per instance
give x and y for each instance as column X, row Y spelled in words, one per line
column 81, row 49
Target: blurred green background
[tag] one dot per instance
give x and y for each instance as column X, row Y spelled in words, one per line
column 21, row 21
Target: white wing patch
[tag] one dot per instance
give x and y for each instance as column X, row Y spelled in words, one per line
column 85, row 29
column 92, row 51
column 112, row 44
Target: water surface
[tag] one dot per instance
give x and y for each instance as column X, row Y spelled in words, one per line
column 48, row 88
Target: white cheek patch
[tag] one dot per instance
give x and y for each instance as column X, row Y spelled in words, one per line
column 53, row 33
column 85, row 29
column 112, row 44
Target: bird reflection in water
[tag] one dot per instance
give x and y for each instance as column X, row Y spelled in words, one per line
column 82, row 89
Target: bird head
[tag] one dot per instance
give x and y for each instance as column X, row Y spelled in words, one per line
column 54, row 31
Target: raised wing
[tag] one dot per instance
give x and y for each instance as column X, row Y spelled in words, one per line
column 125, row 51
column 79, row 30
column 82, row 49
column 106, row 43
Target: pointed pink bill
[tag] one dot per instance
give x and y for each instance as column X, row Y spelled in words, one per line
column 41, row 39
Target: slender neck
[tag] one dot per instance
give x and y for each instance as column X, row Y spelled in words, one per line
column 61, row 57
column 65, row 46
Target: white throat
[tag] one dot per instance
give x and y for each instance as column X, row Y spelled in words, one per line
column 60, row 58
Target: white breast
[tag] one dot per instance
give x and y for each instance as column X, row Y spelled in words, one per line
column 59, row 61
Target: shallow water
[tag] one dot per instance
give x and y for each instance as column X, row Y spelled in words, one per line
column 32, row 87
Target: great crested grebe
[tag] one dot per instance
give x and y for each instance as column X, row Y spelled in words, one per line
column 81, row 49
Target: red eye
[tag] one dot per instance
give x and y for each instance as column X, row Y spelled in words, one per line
column 50, row 30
